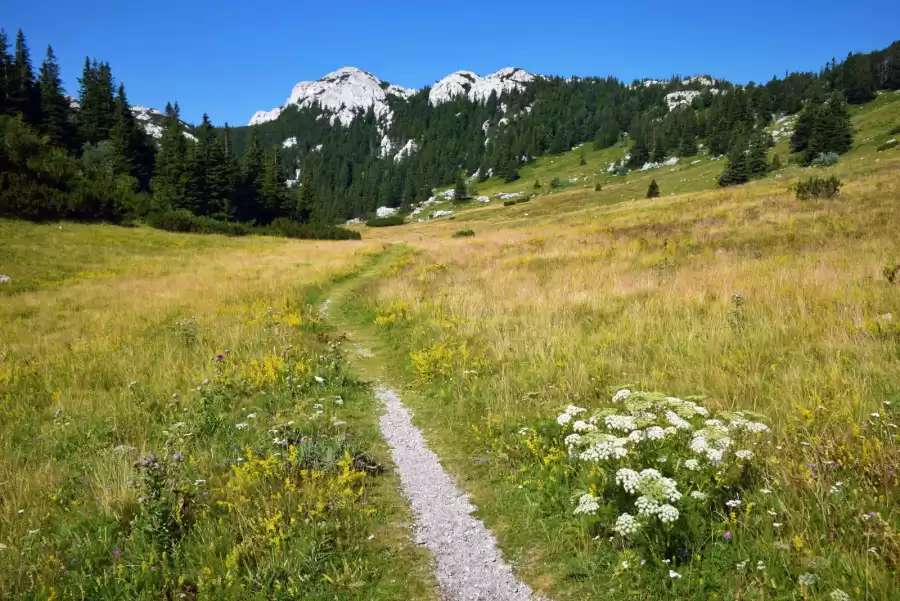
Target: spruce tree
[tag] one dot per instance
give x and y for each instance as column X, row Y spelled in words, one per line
column 273, row 187
column 653, row 189
column 170, row 179
column 250, row 189
column 5, row 69
column 460, row 192
column 25, row 97
column 55, row 114
column 305, row 200
column 737, row 168
column 757, row 155
column 97, row 113
column 124, row 136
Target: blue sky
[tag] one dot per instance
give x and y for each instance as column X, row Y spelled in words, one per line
column 230, row 58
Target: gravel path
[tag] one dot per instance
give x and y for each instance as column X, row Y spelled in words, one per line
column 469, row 565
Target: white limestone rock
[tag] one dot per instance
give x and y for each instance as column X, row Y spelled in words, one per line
column 385, row 211
column 477, row 88
column 408, row 149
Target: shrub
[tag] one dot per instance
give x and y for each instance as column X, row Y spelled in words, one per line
column 818, row 187
column 887, row 145
column 388, row 221
column 464, row 234
column 509, row 203
column 895, row 130
column 521, row 200
column 597, row 187
column 657, row 467
column 555, row 183
column 182, row 220
column 890, row 272
column 311, row 231
column 653, row 189
column 537, row 184
column 826, row 159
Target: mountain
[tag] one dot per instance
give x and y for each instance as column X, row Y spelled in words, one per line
column 349, row 91
column 345, row 93
column 152, row 121
column 476, row 88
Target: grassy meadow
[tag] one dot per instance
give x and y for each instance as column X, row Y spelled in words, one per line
column 177, row 423
column 745, row 298
column 178, row 420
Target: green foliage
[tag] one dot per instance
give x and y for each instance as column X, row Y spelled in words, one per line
column 653, row 189
column 182, row 220
column 390, row 220
column 597, row 187
column 555, row 183
column 523, row 199
column 460, row 192
column 464, row 234
column 891, row 271
column 537, row 184
column 826, row 159
column 818, row 187
column 509, row 203
column 310, row 231
column 887, row 145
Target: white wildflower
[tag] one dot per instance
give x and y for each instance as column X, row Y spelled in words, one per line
column 756, row 427
column 692, row 464
column 523, row 431
column 838, row 595
column 251, row 416
column 582, row 426
column 670, row 430
column 587, row 505
column 628, row 478
column 677, row 421
column 743, row 454
column 674, row 575
column 700, row 496
column 647, row 506
column 636, row 436
column 319, row 379
column 777, row 524
column 733, row 503
column 563, row 419
column 766, row 491
column 624, row 423
column 807, row 579
column 572, row 441
column 573, row 410
column 761, row 566
column 714, row 456
column 836, row 488
column 667, row 513
column 242, row 425
column 699, row 444
column 338, row 401
column 624, row 565
column 655, row 433
column 713, row 422
column 626, row 525
column 621, row 395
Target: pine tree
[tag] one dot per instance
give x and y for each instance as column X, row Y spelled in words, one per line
column 24, row 94
column 124, row 136
column 757, row 155
column 653, row 189
column 55, row 113
column 250, row 189
column 581, row 160
column 460, row 192
column 170, row 180
column 97, row 113
column 5, row 73
column 221, row 175
column 736, row 169
column 273, row 187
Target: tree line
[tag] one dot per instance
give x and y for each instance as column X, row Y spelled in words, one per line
column 90, row 158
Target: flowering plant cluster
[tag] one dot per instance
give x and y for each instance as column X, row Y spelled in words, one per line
column 650, row 458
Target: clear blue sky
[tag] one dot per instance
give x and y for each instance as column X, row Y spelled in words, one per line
column 230, row 58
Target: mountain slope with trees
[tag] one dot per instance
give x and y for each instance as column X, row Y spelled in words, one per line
column 93, row 159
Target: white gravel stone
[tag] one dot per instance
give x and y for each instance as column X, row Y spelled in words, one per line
column 469, row 565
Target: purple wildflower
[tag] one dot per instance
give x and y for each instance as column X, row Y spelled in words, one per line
column 728, row 536
column 116, row 553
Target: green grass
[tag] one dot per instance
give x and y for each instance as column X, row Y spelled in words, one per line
column 163, row 433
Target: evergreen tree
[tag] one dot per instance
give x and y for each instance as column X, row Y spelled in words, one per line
column 305, row 200
column 273, row 187
column 737, row 168
column 250, row 188
column 640, row 152
column 757, row 155
column 221, row 174
column 24, row 94
column 581, row 160
column 171, row 175
column 653, row 189
column 460, row 192
column 97, row 112
column 511, row 172
column 5, row 73
column 858, row 79
column 55, row 114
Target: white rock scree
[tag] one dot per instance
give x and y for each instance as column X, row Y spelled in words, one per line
column 469, row 565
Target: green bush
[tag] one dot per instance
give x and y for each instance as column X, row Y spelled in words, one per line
column 597, row 187
column 289, row 228
column 521, row 200
column 386, row 221
column 555, row 183
column 818, row 187
column 887, row 145
column 182, row 220
column 509, row 203
column 895, row 130
column 464, row 234
column 826, row 159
